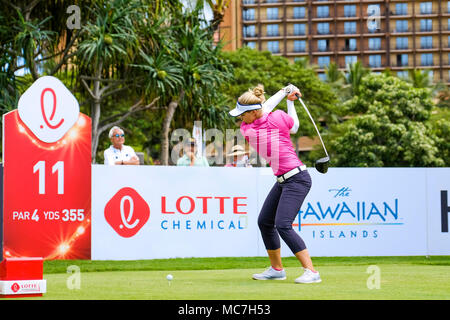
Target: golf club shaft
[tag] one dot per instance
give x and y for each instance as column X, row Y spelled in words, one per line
column 312, row 120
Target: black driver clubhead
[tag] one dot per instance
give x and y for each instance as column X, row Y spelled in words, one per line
column 322, row 164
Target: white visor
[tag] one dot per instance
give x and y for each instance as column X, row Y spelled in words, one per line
column 241, row 108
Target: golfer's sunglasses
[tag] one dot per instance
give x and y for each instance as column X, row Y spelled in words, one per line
column 119, row 135
column 241, row 115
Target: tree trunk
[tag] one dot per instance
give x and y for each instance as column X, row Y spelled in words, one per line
column 217, row 20
column 96, row 112
column 33, row 68
column 30, row 56
column 166, row 128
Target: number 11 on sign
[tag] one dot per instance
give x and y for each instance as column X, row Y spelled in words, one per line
column 57, row 167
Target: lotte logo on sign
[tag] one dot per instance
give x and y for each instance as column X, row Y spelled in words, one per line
column 48, row 109
column 127, row 212
column 15, row 287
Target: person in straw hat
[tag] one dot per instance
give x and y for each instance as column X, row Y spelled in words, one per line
column 240, row 157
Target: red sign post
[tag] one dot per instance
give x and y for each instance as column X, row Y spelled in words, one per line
column 47, row 175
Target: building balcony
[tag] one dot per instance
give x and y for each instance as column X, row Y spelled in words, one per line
column 250, row 36
column 350, row 18
column 373, row 51
column 296, row 54
column 316, row 20
column 426, row 49
column 249, row 19
column 270, row 3
column 401, row 32
column 399, row 66
column 295, row 2
column 263, row 3
column 427, row 31
column 377, row 67
column 406, row 50
column 395, row 67
column 271, row 37
column 348, row 52
column 349, row 49
column 292, row 19
column 296, row 35
column 432, row 14
column 322, row 2
column 400, row 15
column 325, row 52
column 426, row 64
column 318, row 35
column 270, row 20
column 249, row 3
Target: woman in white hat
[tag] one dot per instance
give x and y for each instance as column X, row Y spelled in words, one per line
column 240, row 158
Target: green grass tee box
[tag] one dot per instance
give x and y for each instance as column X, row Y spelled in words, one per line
column 399, row 278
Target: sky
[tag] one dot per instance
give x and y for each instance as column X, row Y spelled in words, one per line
column 207, row 11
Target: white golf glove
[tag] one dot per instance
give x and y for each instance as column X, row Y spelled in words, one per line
column 290, row 88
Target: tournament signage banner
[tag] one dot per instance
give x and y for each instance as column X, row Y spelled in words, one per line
column 438, row 198
column 166, row 212
column 364, row 212
column 47, row 175
column 151, row 212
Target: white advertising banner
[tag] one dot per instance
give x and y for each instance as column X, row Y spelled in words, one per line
column 364, row 212
column 149, row 212
column 438, row 200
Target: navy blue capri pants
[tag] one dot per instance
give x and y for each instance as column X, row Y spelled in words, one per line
column 279, row 211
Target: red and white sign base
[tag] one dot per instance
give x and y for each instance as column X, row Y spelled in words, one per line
column 22, row 277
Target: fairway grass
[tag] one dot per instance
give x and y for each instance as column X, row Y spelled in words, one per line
column 401, row 278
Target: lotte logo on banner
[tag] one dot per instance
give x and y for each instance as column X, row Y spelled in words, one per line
column 127, row 212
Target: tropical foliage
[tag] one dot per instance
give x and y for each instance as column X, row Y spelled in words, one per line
column 148, row 65
column 389, row 127
column 152, row 66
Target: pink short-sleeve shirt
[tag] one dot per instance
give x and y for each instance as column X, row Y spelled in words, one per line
column 270, row 137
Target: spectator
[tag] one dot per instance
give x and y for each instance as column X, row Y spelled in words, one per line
column 240, row 158
column 118, row 153
column 190, row 158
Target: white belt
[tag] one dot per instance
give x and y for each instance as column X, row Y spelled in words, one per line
column 290, row 173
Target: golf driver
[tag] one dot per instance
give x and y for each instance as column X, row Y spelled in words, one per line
column 321, row 164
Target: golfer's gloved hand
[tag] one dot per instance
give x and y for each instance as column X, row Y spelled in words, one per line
column 290, row 89
column 291, row 92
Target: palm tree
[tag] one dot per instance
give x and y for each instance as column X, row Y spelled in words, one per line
column 185, row 72
column 419, row 78
column 304, row 63
column 333, row 74
column 337, row 81
column 108, row 44
column 355, row 73
column 218, row 8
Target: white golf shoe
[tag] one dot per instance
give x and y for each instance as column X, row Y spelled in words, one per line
column 270, row 274
column 309, row 277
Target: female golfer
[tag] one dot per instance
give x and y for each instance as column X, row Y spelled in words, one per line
column 269, row 134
